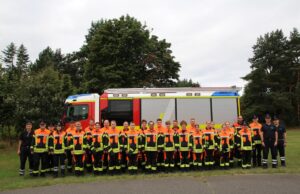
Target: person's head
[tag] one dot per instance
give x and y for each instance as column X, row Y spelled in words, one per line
column 132, row 126
column 42, row 125
column 197, row 127
column 144, row 124
column 106, row 123
column 193, row 121
column 175, row 123
column 125, row 125
column 168, row 124
column 276, row 121
column 113, row 124
column 91, row 123
column 227, row 124
column 183, row 124
column 159, row 122
column 151, row 125
column 268, row 119
column 78, row 126
column 58, row 127
column 208, row 124
column 255, row 119
column 240, row 119
column 97, row 125
column 51, row 127
column 72, row 124
column 212, row 124
column 28, row 126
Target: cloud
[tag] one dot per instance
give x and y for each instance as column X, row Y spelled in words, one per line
column 211, row 39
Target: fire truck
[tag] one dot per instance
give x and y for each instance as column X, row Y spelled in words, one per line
column 218, row 104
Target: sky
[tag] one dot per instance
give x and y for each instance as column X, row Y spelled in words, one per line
column 211, row 39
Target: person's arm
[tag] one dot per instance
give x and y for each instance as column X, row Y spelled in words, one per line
column 262, row 138
column 19, row 147
column 276, row 138
column 284, row 136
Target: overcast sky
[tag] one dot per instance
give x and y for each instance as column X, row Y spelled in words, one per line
column 211, row 39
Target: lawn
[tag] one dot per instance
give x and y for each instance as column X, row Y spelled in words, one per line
column 9, row 165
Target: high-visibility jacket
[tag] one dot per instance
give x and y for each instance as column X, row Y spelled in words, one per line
column 231, row 132
column 132, row 142
column 79, row 142
column 169, row 140
column 123, row 139
column 176, row 138
column 105, row 138
column 191, row 129
column 237, row 127
column 256, row 130
column 142, row 139
column 160, row 137
column 114, row 143
column 184, row 141
column 57, row 142
column 197, row 142
column 224, row 141
column 97, row 140
column 246, row 139
column 88, row 133
column 150, row 140
column 40, row 140
column 69, row 133
column 209, row 138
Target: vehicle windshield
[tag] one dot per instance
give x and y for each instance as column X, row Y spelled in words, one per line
column 76, row 112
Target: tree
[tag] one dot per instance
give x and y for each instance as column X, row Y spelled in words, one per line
column 9, row 55
column 22, row 60
column 187, row 83
column 122, row 53
column 271, row 83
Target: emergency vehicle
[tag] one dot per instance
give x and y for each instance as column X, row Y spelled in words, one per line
column 218, row 104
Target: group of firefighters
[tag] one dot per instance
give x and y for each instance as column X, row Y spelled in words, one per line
column 154, row 147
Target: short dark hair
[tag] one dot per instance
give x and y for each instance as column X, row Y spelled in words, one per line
column 183, row 122
column 158, row 119
column 168, row 123
column 144, row 121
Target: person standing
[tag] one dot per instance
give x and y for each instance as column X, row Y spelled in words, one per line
column 175, row 128
column 245, row 144
column 24, row 153
column 97, row 149
column 132, row 149
column 114, row 151
column 88, row 155
column 142, row 140
column 237, row 127
column 39, row 149
column 78, row 148
column 57, row 144
column 281, row 140
column 69, row 133
column 151, row 148
column 225, row 142
column 123, row 146
column 198, row 150
column 269, row 136
column 209, row 145
column 160, row 129
column 255, row 127
column 169, row 148
column 105, row 139
column 185, row 146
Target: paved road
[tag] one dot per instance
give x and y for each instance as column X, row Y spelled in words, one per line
column 246, row 184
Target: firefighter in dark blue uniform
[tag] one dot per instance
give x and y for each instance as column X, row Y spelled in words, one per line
column 281, row 140
column 25, row 140
column 269, row 138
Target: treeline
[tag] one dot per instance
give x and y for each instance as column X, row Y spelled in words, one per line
column 274, row 81
column 117, row 53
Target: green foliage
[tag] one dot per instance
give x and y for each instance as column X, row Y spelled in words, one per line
column 187, row 83
column 122, row 53
column 272, row 82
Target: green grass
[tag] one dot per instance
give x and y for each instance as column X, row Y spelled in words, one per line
column 9, row 165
